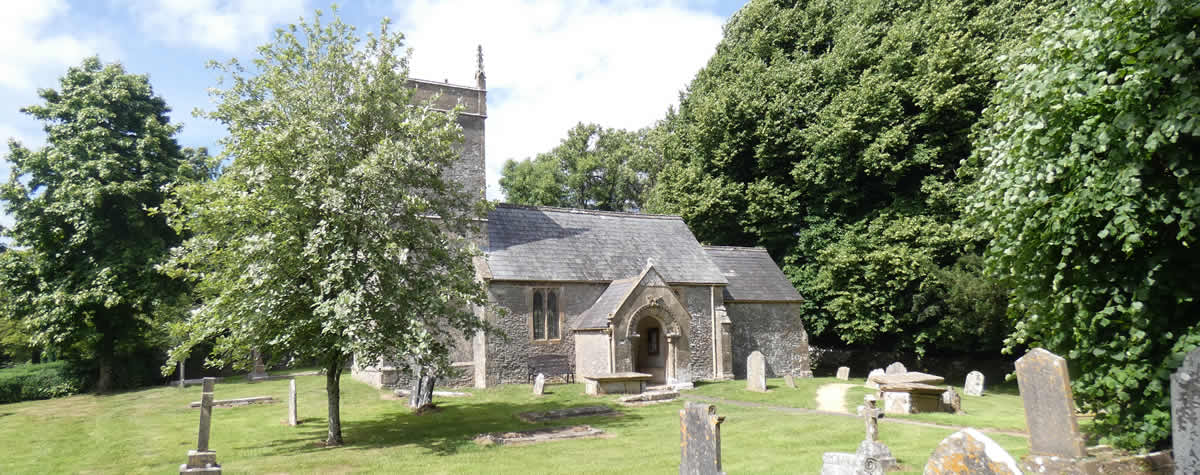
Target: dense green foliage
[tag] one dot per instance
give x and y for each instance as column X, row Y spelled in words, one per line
column 593, row 168
column 88, row 288
column 332, row 232
column 1091, row 189
column 831, row 133
column 28, row 382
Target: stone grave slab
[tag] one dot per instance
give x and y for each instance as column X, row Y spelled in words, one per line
column 896, row 368
column 756, row 372
column 538, row 435
column 242, row 401
column 968, row 451
column 1185, row 414
column 843, row 373
column 700, row 440
column 649, row 397
column 912, row 398
column 871, row 378
column 616, row 383
column 974, row 384
column 1049, row 405
column 581, row 411
column 909, row 377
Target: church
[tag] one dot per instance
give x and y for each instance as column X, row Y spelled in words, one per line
column 593, row 295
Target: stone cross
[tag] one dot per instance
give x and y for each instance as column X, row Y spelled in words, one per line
column 870, row 415
column 756, row 372
column 292, row 416
column 700, row 440
column 206, row 405
column 1185, row 414
column 974, row 384
column 843, row 373
column 1045, row 389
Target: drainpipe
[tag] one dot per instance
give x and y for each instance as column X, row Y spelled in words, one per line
column 716, row 335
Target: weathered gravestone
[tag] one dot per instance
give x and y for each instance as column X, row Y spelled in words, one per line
column 1185, row 414
column 539, row 385
column 260, row 369
column 292, row 419
column 970, row 452
column 1045, row 389
column 756, row 372
column 843, row 373
column 872, row 456
column 871, row 382
column 700, row 440
column 951, row 401
column 203, row 460
column 974, row 384
column 896, row 368
column 789, row 380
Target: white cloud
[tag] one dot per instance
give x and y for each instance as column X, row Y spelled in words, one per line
column 32, row 50
column 550, row 65
column 226, row 25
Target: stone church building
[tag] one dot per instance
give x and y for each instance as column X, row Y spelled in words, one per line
column 594, row 293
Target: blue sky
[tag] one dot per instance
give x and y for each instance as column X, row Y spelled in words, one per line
column 549, row 64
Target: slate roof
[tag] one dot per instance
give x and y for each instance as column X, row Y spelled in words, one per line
column 534, row 243
column 596, row 316
column 752, row 275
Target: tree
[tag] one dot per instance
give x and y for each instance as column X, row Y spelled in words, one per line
column 593, row 168
column 79, row 210
column 831, row 132
column 332, row 232
column 1091, row 188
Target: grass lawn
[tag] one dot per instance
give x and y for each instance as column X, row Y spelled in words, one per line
column 999, row 407
column 150, row 431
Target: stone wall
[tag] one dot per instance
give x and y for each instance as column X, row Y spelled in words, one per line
column 776, row 330
column 698, row 300
column 508, row 355
column 469, row 170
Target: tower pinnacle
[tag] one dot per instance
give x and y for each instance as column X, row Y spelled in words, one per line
column 480, row 78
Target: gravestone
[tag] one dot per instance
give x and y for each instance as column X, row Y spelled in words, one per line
column 951, row 401
column 756, row 372
column 700, row 439
column 843, row 373
column 539, row 385
column 872, row 456
column 789, row 381
column 969, row 451
column 260, row 369
column 974, row 384
column 203, row 460
column 875, row 373
column 896, row 368
column 1185, row 414
column 292, row 419
column 1049, row 405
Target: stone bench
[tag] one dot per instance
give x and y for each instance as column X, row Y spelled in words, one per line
column 616, row 383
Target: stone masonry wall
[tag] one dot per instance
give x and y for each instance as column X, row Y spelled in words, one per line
column 508, row 355
column 776, row 330
column 698, row 301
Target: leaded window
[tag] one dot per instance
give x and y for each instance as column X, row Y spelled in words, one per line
column 546, row 317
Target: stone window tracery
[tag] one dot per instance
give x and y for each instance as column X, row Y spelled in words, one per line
column 547, row 323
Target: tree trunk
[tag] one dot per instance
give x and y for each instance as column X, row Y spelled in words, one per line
column 333, row 376
column 422, row 391
column 104, row 355
column 35, row 355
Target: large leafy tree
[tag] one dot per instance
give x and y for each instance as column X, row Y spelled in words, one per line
column 332, row 232
column 1091, row 189
column 592, row 168
column 79, row 205
column 830, row 132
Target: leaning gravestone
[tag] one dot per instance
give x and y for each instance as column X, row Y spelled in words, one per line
column 789, row 381
column 700, row 440
column 969, row 451
column 896, row 368
column 756, row 372
column 843, row 373
column 539, row 385
column 1045, row 389
column 203, row 460
column 1185, row 414
column 292, row 419
column 974, row 384
column 871, row 383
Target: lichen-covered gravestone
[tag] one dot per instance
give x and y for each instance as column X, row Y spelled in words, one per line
column 843, row 373
column 700, row 440
column 871, row 383
column 756, row 372
column 896, row 368
column 539, row 385
column 974, row 384
column 1185, row 414
column 1054, row 439
column 969, row 451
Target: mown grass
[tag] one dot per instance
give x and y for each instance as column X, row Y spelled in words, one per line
column 150, row 431
column 999, row 407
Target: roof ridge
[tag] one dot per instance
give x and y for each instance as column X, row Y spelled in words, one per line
column 589, row 211
column 739, row 248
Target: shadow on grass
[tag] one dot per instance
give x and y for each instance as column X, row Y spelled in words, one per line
column 443, row 432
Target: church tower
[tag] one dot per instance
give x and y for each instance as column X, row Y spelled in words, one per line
column 470, row 169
